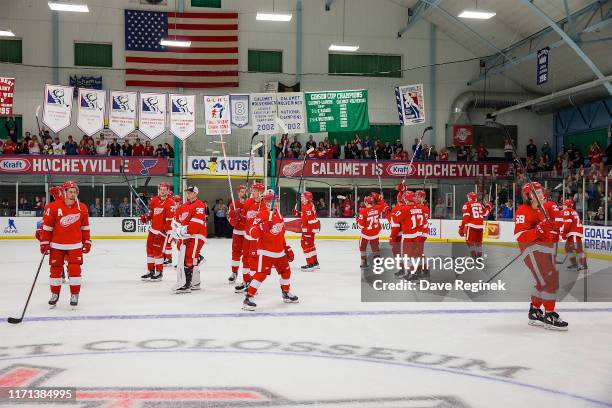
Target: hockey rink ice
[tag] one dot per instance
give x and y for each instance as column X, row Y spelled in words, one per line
column 135, row 344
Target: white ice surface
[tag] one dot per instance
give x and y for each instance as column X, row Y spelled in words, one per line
column 378, row 365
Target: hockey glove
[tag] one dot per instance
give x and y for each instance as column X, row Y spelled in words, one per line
column 86, row 246
column 462, row 231
column 289, row 253
column 45, row 248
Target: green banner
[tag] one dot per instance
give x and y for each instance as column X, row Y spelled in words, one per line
column 337, row 111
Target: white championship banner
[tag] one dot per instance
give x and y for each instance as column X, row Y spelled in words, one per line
column 291, row 111
column 263, row 113
column 91, row 110
column 217, row 115
column 240, row 110
column 216, row 166
column 122, row 115
column 182, row 116
column 57, row 107
column 152, row 114
column 410, row 104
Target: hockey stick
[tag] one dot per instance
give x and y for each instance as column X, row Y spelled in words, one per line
column 427, row 129
column 302, row 175
column 276, row 187
column 14, row 320
column 426, row 175
column 377, row 172
column 229, row 179
column 132, row 189
column 250, row 159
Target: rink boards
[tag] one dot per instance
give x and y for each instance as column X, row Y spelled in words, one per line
column 597, row 240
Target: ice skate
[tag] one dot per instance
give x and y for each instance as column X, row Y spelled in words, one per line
column 289, row 297
column 53, row 300
column 155, row 277
column 536, row 316
column 242, row 287
column 248, row 304
column 74, row 300
column 364, row 264
column 168, row 262
column 146, row 277
column 196, row 286
column 232, row 278
column 552, row 321
column 186, row 288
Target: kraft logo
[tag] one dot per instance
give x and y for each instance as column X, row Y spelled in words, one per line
column 342, row 225
column 146, row 165
column 14, row 165
column 401, row 169
column 128, row 225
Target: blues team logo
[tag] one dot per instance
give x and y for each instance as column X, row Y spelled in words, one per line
column 147, row 164
column 181, row 105
column 122, row 103
column 89, row 100
column 56, row 97
column 151, row 105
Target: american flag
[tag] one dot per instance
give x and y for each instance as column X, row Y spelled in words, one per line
column 210, row 62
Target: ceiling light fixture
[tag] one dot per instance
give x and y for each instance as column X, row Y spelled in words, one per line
column 284, row 18
column 6, row 33
column 477, row 14
column 175, row 43
column 343, row 47
column 78, row 8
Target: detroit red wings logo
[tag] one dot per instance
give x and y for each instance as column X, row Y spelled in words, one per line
column 69, row 219
column 158, row 211
column 183, row 216
column 277, row 228
column 292, row 169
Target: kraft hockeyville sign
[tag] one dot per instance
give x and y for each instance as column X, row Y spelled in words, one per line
column 144, row 166
column 393, row 169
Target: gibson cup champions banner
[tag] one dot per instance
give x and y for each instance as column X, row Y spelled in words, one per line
column 91, row 110
column 57, row 107
column 337, row 111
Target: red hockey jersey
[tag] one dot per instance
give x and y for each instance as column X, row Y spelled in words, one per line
column 424, row 230
column 571, row 224
column 310, row 222
column 392, row 217
column 237, row 216
column 160, row 214
column 369, row 220
column 411, row 219
column 250, row 210
column 474, row 214
column 525, row 223
column 66, row 227
column 271, row 243
column 555, row 216
column 193, row 215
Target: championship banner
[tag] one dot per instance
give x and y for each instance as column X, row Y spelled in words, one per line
column 263, row 113
column 77, row 165
column 463, row 135
column 291, row 111
column 91, row 110
column 7, row 90
column 122, row 116
column 337, row 111
column 57, row 107
column 410, row 104
column 182, row 116
column 87, row 82
column 239, row 104
column 542, row 67
column 217, row 115
column 217, row 166
column 152, row 114
column 394, row 169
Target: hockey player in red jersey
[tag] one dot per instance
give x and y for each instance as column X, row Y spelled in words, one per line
column 421, row 202
column 555, row 215
column 411, row 220
column 572, row 232
column 272, row 251
column 368, row 221
column 395, row 237
column 57, row 192
column 66, row 237
column 177, row 200
column 472, row 224
column 160, row 215
column 250, row 209
column 532, row 230
column 189, row 230
column 237, row 219
column 310, row 226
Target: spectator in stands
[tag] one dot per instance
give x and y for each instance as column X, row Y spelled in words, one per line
column 126, row 148
column 9, row 147
column 109, row 208
column 321, row 152
column 532, row 149
column 160, row 151
column 58, row 147
column 440, row 209
column 311, row 143
column 579, row 199
column 102, row 146
column 600, row 215
column 417, row 150
column 508, row 150
column 90, row 147
column 295, row 146
column 595, row 154
column 506, row 211
column 433, row 154
column 95, row 209
column 542, row 165
column 11, row 129
column 397, row 144
column 47, row 147
column 22, row 147
column 443, row 154
column 425, row 152
column 348, row 151
column 462, row 154
column 357, row 149
column 336, row 149
column 70, row 147
column 578, row 160
column 149, row 150
column 114, row 149
column 546, row 152
column 322, row 208
column 169, row 151
column 346, row 207
column 34, row 147
column 481, row 152
column 138, row 148
column 124, row 207
column 83, row 147
column 387, row 151
column 334, row 212
column 39, row 205
column 401, row 155
column 220, row 211
column 24, row 205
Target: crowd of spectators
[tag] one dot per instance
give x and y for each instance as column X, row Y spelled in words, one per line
column 88, row 146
